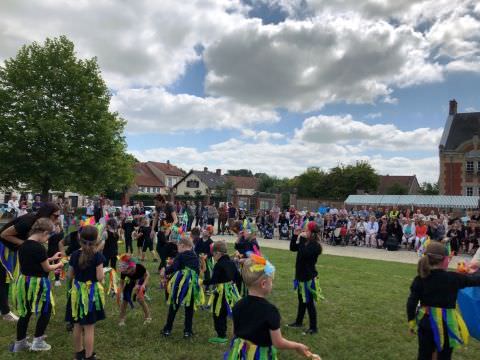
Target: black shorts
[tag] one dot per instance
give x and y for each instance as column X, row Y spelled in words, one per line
column 147, row 244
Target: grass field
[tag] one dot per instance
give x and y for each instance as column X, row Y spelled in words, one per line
column 362, row 318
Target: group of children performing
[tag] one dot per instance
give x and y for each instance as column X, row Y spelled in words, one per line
column 238, row 287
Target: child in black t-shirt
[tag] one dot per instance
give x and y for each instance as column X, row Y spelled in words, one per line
column 203, row 248
column 256, row 322
column 110, row 248
column 128, row 227
column 133, row 284
column 86, row 274
column 440, row 327
column 185, row 281
column 33, row 290
column 226, row 279
column 308, row 249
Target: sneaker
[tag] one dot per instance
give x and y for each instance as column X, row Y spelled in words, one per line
column 80, row 355
column 187, row 335
column 294, row 325
column 19, row 346
column 147, row 321
column 121, row 322
column 58, row 283
column 310, row 332
column 218, row 340
column 39, row 344
column 11, row 317
column 93, row 357
column 166, row 333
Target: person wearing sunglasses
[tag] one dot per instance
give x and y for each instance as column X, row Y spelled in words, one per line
column 12, row 236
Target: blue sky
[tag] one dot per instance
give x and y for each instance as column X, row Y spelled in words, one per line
column 273, row 85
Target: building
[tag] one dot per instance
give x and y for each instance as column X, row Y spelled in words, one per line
column 393, row 182
column 155, row 178
column 459, row 153
column 244, row 189
column 200, row 183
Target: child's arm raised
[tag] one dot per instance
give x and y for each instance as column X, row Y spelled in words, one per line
column 283, row 344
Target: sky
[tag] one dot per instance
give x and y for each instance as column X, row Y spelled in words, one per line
column 274, row 86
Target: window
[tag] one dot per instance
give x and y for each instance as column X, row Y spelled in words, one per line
column 469, row 167
column 469, row 191
column 140, row 189
column 170, row 182
column 193, row 184
column 478, row 167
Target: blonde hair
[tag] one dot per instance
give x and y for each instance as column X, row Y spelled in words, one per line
column 220, row 247
column 42, row 225
column 250, row 277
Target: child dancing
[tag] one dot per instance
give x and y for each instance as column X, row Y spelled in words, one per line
column 33, row 290
column 86, row 300
column 227, row 280
column 308, row 248
column 184, row 287
column 133, row 284
column 256, row 322
column 431, row 306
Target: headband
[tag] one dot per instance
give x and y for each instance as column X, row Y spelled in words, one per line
column 261, row 264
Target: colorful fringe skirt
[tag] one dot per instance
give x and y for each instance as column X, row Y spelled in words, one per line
column 9, row 260
column 33, row 294
column 184, row 289
column 86, row 302
column 224, row 293
column 241, row 349
column 309, row 290
column 445, row 323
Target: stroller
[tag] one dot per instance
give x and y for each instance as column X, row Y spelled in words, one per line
column 284, row 231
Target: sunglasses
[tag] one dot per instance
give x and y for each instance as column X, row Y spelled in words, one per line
column 56, row 215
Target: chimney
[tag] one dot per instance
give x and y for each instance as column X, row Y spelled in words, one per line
column 205, row 169
column 453, row 107
column 218, row 172
column 168, row 162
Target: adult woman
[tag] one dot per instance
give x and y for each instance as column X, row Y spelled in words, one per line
column 12, row 235
column 165, row 217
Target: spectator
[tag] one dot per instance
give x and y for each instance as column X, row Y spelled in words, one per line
column 408, row 237
column 222, row 219
column 13, row 206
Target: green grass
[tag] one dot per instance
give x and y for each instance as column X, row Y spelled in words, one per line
column 363, row 317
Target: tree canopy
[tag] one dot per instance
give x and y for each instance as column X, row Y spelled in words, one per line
column 56, row 128
column 429, row 188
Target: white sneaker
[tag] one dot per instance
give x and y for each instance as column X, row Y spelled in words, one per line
column 22, row 345
column 10, row 317
column 121, row 323
column 147, row 321
column 58, row 283
column 39, row 344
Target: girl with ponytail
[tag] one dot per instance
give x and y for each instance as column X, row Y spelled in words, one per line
column 431, row 306
column 308, row 248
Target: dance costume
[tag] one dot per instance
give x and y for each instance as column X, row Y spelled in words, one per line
column 86, row 298
column 441, row 327
column 226, row 279
column 137, row 278
column 306, row 283
column 110, row 250
column 184, row 288
column 205, row 248
column 253, row 319
column 32, row 289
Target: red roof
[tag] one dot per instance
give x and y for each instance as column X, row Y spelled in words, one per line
column 145, row 177
column 244, row 182
column 168, row 169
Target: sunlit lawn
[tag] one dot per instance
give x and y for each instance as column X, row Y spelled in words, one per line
column 363, row 317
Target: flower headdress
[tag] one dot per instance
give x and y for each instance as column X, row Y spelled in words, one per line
column 126, row 262
column 261, row 264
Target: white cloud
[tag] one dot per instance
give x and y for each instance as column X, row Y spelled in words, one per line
column 302, row 65
column 156, row 110
column 331, row 129
column 375, row 115
column 262, row 135
column 287, row 160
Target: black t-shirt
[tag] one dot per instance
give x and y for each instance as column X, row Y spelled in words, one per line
column 139, row 273
column 253, row 318
column 53, row 241
column 111, row 245
column 31, row 255
column 22, row 225
column 72, row 242
column 128, row 226
column 232, row 212
column 89, row 273
column 144, row 232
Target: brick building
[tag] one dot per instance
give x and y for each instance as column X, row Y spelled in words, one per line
column 460, row 154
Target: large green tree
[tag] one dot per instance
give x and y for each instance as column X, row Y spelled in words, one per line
column 55, row 124
column 429, row 188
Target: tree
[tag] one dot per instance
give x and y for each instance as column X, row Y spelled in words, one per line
column 56, row 128
column 429, row 188
column 240, row 172
column 397, row 189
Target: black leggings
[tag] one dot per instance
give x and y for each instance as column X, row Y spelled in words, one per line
column 112, row 260
column 4, row 308
column 42, row 323
column 172, row 311
column 312, row 311
column 426, row 343
column 220, row 321
column 128, row 244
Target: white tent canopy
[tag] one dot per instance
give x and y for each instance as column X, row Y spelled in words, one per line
column 430, row 201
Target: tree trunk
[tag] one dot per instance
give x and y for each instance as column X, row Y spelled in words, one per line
column 45, row 189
